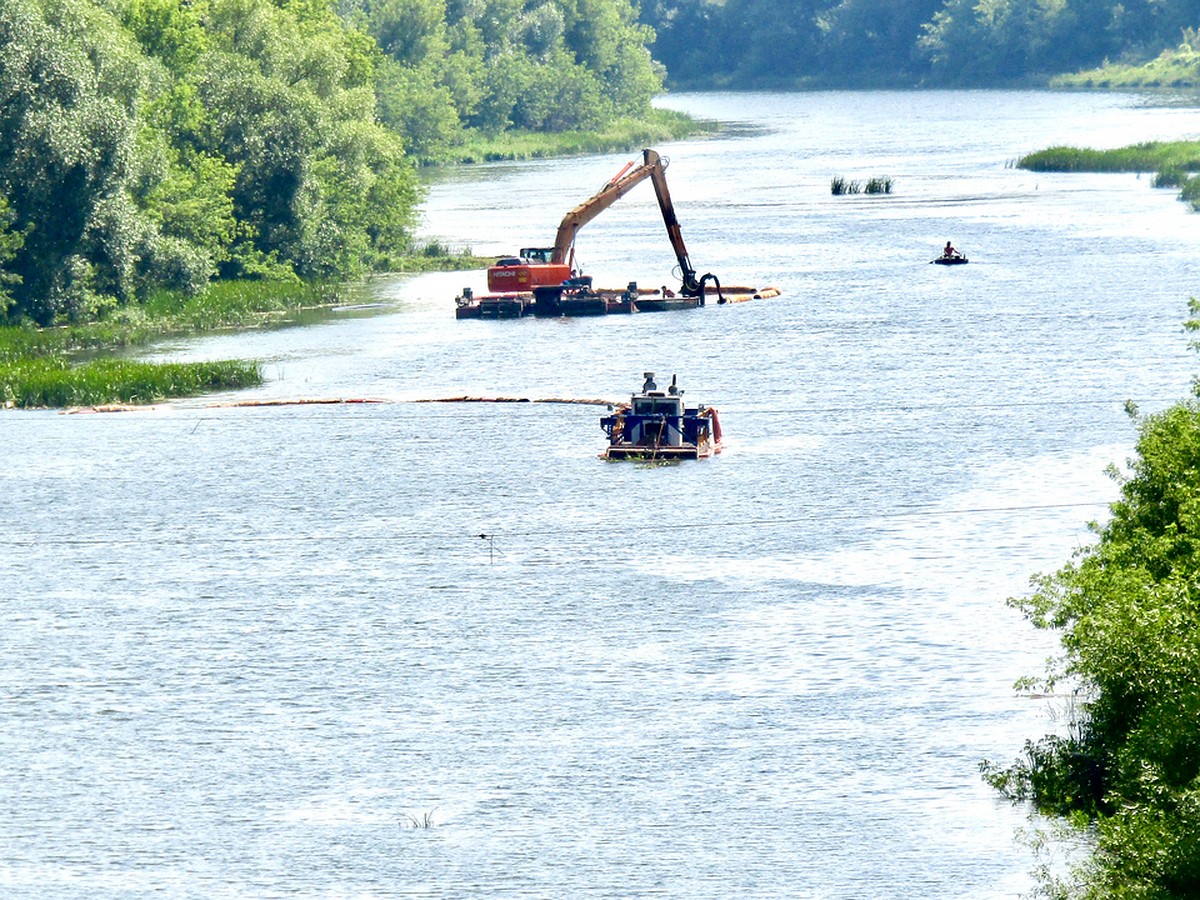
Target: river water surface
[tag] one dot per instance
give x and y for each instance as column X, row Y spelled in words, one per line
column 243, row 651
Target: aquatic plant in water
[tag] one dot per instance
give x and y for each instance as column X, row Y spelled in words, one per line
column 880, row 184
column 840, row 186
column 54, row 382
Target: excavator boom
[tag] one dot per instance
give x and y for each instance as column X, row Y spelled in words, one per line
column 535, row 269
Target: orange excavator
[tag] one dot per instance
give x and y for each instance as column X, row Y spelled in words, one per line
column 555, row 265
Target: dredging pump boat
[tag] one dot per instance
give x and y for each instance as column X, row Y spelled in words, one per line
column 657, row 425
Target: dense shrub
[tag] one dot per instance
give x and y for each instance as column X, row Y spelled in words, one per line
column 1129, row 611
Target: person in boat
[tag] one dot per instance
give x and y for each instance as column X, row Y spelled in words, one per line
column 949, row 252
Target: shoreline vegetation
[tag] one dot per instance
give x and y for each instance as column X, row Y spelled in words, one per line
column 626, row 134
column 79, row 364
column 75, row 364
column 1126, row 770
column 1173, row 68
column 1174, row 163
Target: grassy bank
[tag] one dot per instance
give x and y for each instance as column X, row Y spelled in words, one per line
column 1152, row 156
column 1173, row 163
column 1179, row 68
column 72, row 364
column 624, row 134
column 56, row 382
column 56, row 367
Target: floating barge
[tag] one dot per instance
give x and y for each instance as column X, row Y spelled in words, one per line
column 577, row 297
column 655, row 425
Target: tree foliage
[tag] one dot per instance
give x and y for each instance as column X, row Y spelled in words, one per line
column 490, row 65
column 1129, row 611
column 755, row 43
column 150, row 143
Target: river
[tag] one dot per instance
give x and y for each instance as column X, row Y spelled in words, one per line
column 244, row 651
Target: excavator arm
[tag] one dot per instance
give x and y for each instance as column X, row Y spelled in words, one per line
column 653, row 167
column 658, row 177
column 553, row 265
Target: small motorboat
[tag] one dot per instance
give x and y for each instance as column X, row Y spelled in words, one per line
column 655, row 425
column 956, row 260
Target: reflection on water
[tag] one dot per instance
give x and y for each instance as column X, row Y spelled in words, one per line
column 245, row 649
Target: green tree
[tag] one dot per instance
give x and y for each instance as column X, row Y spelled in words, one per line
column 1129, row 611
column 70, row 81
column 11, row 242
column 168, row 30
column 283, row 87
column 409, row 31
column 421, row 109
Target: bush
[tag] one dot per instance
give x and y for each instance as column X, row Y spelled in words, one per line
column 1129, row 611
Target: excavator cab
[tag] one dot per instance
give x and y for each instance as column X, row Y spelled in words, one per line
column 537, row 254
column 531, row 269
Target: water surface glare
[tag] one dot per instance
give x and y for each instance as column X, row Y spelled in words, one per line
column 243, row 651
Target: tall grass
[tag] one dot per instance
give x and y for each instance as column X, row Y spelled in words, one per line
column 55, row 382
column 1151, row 156
column 879, row 184
column 1172, row 161
column 45, row 366
column 621, row 135
column 1190, row 192
column 1169, row 178
column 223, row 305
column 229, row 304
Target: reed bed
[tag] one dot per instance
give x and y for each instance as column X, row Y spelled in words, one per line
column 1190, row 192
column 1170, row 178
column 55, row 382
column 237, row 304
column 1150, row 156
column 880, row 184
column 1172, row 161
column 622, row 135
column 46, row 367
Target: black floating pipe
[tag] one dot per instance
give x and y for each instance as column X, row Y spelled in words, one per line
column 709, row 276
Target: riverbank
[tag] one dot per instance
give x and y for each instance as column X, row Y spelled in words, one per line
column 78, row 364
column 1172, row 162
column 623, row 134
column 1175, row 68
column 73, row 364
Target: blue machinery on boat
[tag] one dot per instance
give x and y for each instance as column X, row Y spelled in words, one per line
column 656, row 425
